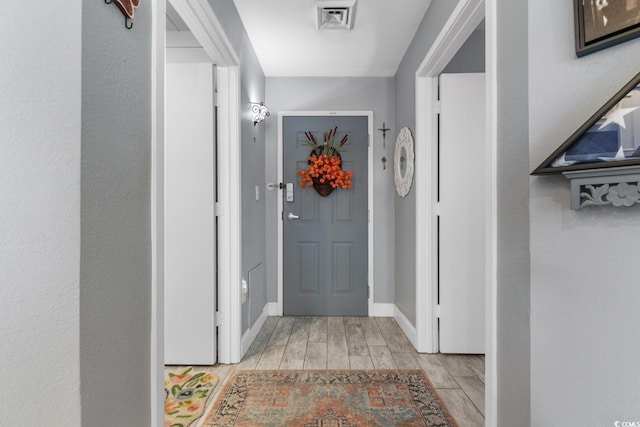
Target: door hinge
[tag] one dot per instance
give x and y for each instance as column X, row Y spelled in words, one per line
column 368, row 215
column 219, row 318
column 436, row 310
column 217, row 209
column 368, row 291
column 437, row 208
column 437, row 106
column 369, row 140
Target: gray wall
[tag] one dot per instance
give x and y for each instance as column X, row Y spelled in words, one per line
column 78, row 234
column 330, row 94
column 513, row 336
column 115, row 293
column 253, row 211
column 252, row 89
column 40, row 214
column 471, row 55
column 405, row 209
column 585, row 339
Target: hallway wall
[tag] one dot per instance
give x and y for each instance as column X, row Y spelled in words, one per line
column 40, row 116
column 75, row 246
column 585, row 339
column 332, row 94
column 512, row 298
column 115, row 293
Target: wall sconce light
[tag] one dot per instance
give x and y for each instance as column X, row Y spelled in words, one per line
column 259, row 112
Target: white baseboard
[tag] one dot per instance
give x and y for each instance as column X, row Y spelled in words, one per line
column 272, row 308
column 252, row 332
column 406, row 326
column 379, row 309
column 382, row 310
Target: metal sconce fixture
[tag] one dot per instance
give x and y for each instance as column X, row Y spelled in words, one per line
column 259, row 112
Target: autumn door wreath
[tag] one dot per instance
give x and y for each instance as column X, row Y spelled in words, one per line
column 324, row 171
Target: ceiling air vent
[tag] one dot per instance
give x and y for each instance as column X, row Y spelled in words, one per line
column 335, row 14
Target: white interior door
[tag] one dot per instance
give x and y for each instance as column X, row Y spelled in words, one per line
column 190, row 233
column 461, row 213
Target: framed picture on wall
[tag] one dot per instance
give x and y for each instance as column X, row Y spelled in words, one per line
column 600, row 24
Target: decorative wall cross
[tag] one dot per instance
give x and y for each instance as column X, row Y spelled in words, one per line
column 384, row 130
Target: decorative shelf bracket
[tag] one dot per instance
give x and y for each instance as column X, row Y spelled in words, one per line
column 618, row 187
column 602, row 158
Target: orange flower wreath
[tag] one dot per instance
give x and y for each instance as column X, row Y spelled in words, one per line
column 324, row 165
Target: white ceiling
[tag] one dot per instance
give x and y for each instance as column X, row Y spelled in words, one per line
column 284, row 36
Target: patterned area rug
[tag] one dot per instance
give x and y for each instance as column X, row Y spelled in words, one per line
column 186, row 392
column 328, row 399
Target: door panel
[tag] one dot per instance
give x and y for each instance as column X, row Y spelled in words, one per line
column 462, row 219
column 308, row 281
column 190, row 239
column 326, row 249
column 342, row 267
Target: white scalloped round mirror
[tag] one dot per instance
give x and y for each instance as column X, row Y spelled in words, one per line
column 403, row 162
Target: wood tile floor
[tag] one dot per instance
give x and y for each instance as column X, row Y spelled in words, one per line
column 364, row 343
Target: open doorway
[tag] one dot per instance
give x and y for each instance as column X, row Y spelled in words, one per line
column 200, row 19
column 465, row 26
column 464, row 20
column 461, row 149
column 190, row 184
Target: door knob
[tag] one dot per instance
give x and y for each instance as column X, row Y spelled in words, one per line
column 291, row 216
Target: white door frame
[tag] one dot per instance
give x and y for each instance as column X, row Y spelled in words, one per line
column 370, row 228
column 463, row 20
column 199, row 17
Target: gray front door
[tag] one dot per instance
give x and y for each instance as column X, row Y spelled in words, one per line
column 325, row 248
